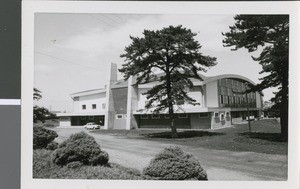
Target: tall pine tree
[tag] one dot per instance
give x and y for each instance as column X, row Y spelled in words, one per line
column 174, row 52
column 271, row 32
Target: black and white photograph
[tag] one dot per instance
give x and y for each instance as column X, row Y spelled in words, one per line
column 154, row 96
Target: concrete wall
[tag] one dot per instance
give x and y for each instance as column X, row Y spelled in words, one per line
column 212, row 99
column 132, row 105
column 218, row 122
column 110, row 111
column 120, row 100
column 195, row 93
column 258, row 100
column 198, row 122
column 89, row 100
column 120, row 123
column 120, row 106
column 141, row 98
column 76, row 107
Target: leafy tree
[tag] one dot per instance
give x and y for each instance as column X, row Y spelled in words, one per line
column 172, row 51
column 40, row 113
column 36, row 94
column 270, row 32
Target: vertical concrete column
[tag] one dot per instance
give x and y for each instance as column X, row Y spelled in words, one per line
column 110, row 110
column 132, row 104
column 204, row 96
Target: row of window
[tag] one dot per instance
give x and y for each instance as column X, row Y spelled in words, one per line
column 94, row 106
column 179, row 102
column 158, row 116
column 216, row 114
column 232, row 101
column 167, row 116
column 221, row 116
column 231, row 92
column 232, row 83
column 235, row 100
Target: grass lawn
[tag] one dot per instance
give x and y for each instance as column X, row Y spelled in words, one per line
column 264, row 138
column 44, row 168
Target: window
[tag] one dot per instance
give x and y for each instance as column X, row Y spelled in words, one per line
column 103, row 105
column 216, row 114
column 227, row 114
column 144, row 116
column 221, row 99
column 91, row 117
column 222, row 116
column 224, row 91
column 224, row 100
column 119, row 116
column 84, row 107
column 182, row 116
column 230, row 100
column 94, row 106
column 223, row 82
column 83, row 118
column 155, row 116
column 203, row 115
column 167, row 116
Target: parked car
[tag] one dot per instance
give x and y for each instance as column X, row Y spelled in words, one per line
column 91, row 125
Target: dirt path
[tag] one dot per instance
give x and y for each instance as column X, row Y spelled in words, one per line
column 219, row 164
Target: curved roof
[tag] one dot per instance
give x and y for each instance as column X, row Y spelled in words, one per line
column 227, row 76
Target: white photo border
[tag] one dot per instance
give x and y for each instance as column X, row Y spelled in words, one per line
column 29, row 8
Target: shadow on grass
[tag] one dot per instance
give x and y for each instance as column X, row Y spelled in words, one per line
column 271, row 137
column 183, row 134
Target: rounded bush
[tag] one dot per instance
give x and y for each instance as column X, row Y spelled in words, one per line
column 80, row 147
column 52, row 145
column 42, row 137
column 174, row 164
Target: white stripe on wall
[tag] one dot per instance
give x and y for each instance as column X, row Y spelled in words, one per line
column 10, row 102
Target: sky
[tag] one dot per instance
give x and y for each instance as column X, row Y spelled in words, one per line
column 73, row 51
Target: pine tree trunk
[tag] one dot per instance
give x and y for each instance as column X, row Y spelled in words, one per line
column 170, row 104
column 173, row 128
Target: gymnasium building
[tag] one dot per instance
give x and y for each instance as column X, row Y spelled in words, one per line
column 121, row 104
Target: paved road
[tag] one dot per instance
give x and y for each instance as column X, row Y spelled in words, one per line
column 219, row 164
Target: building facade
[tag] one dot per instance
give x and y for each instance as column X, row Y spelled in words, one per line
column 121, row 104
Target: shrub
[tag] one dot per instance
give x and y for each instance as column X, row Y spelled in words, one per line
column 174, row 164
column 80, row 147
column 42, row 137
column 44, row 168
column 52, row 145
